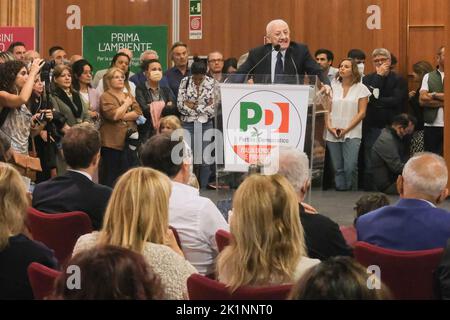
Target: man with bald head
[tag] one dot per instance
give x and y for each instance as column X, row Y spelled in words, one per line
column 414, row 222
column 281, row 57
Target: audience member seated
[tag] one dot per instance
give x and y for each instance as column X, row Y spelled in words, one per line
column 442, row 275
column 196, row 218
column 338, row 278
column 17, row 251
column 110, row 273
column 75, row 190
column 137, row 218
column 414, row 222
column 370, row 202
column 323, row 238
column 389, row 153
column 267, row 245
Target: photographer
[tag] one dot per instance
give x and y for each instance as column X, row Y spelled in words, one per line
column 16, row 121
column 45, row 142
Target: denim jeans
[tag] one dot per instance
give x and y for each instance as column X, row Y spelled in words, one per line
column 344, row 156
column 198, row 145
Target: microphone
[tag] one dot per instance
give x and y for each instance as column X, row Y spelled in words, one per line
column 296, row 70
column 275, row 48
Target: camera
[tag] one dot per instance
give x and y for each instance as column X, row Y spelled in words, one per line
column 46, row 70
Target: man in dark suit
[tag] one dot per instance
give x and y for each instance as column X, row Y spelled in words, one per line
column 323, row 237
column 75, row 190
column 414, row 222
column 268, row 65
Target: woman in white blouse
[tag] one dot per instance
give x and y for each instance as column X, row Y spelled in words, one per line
column 344, row 123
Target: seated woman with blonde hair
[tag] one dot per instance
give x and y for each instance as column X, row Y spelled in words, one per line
column 133, row 222
column 268, row 245
column 17, row 251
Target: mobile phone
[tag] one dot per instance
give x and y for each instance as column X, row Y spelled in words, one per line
column 338, row 132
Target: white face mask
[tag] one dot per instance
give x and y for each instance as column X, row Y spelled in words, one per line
column 155, row 75
column 361, row 68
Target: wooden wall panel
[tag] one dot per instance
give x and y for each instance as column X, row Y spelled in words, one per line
column 236, row 26
column 104, row 12
column 231, row 26
column 18, row 13
column 425, row 30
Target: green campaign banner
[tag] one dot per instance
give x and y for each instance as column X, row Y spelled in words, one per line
column 101, row 43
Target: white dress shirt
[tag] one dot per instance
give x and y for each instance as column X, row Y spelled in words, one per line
column 439, row 121
column 196, row 220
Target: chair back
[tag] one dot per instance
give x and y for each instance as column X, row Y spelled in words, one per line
column 408, row 274
column 203, row 288
column 222, row 239
column 58, row 231
column 42, row 280
column 349, row 234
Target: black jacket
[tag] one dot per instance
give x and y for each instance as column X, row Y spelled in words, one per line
column 388, row 158
column 72, row 192
column 393, row 94
column 14, row 261
column 296, row 53
column 144, row 98
column 322, row 236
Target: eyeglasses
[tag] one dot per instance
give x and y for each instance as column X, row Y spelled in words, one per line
column 215, row 60
column 381, row 60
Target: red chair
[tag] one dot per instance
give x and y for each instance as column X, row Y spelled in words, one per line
column 409, row 274
column 349, row 234
column 222, row 239
column 42, row 280
column 203, row 288
column 58, row 231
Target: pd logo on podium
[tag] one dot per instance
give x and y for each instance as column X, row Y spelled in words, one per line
column 266, row 120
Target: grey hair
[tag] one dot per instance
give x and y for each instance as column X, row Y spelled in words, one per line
column 432, row 177
column 146, row 52
column 272, row 23
column 293, row 165
column 381, row 52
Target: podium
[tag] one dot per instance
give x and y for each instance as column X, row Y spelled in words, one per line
column 254, row 119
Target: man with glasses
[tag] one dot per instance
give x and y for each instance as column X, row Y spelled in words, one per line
column 215, row 65
column 389, row 95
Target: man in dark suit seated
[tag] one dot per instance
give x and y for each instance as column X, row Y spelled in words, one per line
column 75, row 190
column 322, row 235
column 281, row 58
column 414, row 222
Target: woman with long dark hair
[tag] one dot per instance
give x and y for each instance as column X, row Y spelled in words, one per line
column 81, row 82
column 16, row 86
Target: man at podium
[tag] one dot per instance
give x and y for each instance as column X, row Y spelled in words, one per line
column 281, row 58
